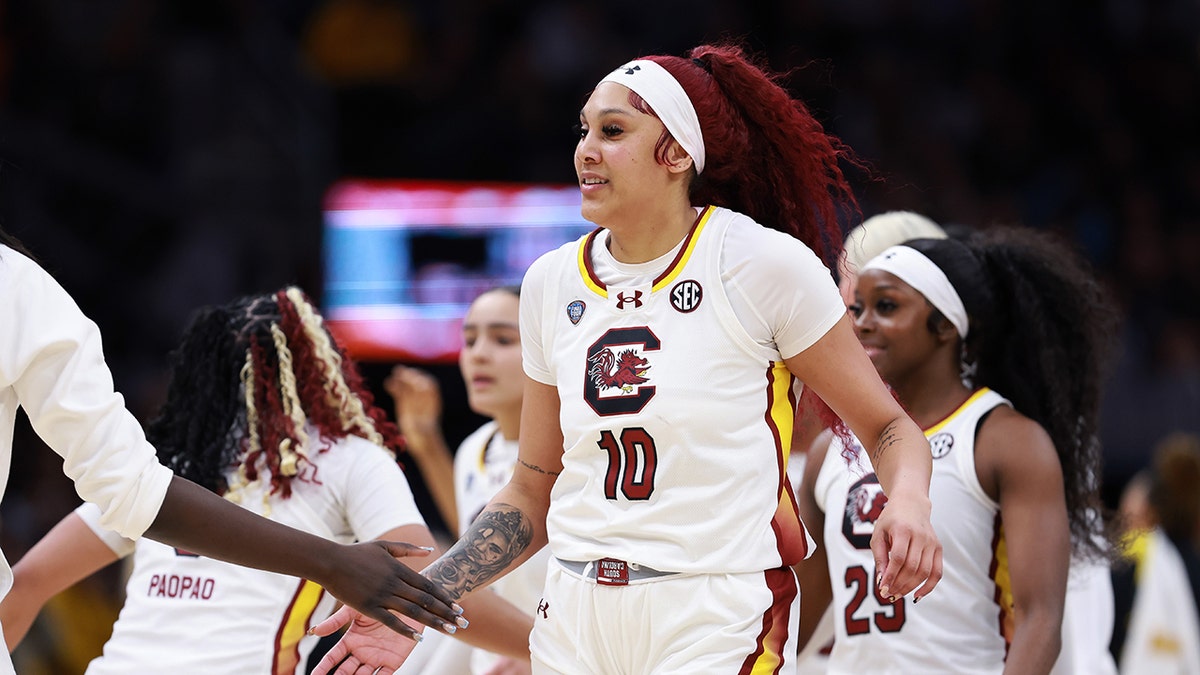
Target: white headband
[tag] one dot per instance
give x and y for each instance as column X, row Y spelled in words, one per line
column 915, row 269
column 666, row 96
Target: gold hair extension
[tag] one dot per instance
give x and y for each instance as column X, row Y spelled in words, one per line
column 337, row 392
column 289, row 453
column 234, row 493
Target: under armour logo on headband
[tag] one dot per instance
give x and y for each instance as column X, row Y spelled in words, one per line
column 629, row 71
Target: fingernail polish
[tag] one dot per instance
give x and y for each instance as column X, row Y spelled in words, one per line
column 426, row 548
column 883, row 590
column 418, row 637
column 456, row 607
column 450, row 628
column 462, row 623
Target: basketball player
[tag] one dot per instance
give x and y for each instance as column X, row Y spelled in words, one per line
column 265, row 409
column 665, row 353
column 996, row 348
column 52, row 365
column 1088, row 615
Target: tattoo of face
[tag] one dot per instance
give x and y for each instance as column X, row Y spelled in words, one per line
column 499, row 535
column 538, row 469
column 887, row 439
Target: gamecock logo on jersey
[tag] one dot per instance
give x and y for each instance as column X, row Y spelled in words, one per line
column 616, row 375
column 864, row 505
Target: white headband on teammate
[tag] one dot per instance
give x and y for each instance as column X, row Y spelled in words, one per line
column 666, row 96
column 915, row 269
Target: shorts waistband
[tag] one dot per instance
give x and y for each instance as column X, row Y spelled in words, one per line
column 611, row 571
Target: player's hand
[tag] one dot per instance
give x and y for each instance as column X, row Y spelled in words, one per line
column 368, row 647
column 369, row 578
column 418, row 401
column 906, row 549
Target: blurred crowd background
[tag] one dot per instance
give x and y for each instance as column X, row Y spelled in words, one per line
column 162, row 155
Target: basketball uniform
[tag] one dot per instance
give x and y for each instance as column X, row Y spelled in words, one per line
column 964, row 626
column 190, row 615
column 677, row 413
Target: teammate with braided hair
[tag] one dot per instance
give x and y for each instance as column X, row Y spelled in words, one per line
column 997, row 346
column 664, row 354
column 265, row 409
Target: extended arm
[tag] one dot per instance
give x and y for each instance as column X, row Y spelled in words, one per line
column 53, row 360
column 907, row 552
column 513, row 525
column 506, row 533
column 418, row 404
column 1017, row 463
column 68, row 553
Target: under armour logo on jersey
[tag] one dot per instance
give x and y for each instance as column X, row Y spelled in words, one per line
column 940, row 445
column 542, row 607
column 630, row 71
column 624, row 298
column 686, row 295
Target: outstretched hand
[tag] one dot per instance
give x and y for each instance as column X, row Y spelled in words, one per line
column 906, row 549
column 368, row 647
column 369, row 578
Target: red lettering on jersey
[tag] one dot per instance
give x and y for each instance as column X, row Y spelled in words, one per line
column 176, row 586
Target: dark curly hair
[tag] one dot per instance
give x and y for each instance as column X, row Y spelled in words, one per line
column 1042, row 334
column 249, row 381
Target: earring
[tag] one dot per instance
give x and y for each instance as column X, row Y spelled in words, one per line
column 966, row 367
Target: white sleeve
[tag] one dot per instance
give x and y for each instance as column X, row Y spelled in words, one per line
column 90, row 514
column 52, row 358
column 532, row 312
column 780, row 290
column 378, row 497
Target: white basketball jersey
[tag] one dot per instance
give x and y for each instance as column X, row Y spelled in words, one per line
column 962, row 627
column 191, row 615
column 677, row 424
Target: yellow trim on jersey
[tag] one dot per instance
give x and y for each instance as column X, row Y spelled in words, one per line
column 672, row 273
column 295, row 626
column 782, row 411
column 1002, row 576
column 581, row 258
column 682, row 259
column 966, row 404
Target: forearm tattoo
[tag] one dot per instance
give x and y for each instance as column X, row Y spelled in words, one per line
column 537, row 469
column 887, row 439
column 498, row 536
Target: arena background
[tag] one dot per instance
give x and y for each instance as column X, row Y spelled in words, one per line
column 162, row 155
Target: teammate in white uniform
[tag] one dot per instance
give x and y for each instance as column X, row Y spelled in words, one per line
column 1011, row 488
column 490, row 362
column 1088, row 614
column 52, row 365
column 665, row 354
column 264, row 409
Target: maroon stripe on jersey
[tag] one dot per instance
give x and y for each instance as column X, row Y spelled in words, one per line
column 294, row 626
column 771, row 648
column 682, row 249
column 1005, row 621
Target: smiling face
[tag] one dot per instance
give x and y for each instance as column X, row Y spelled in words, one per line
column 619, row 176
column 490, row 359
column 891, row 321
